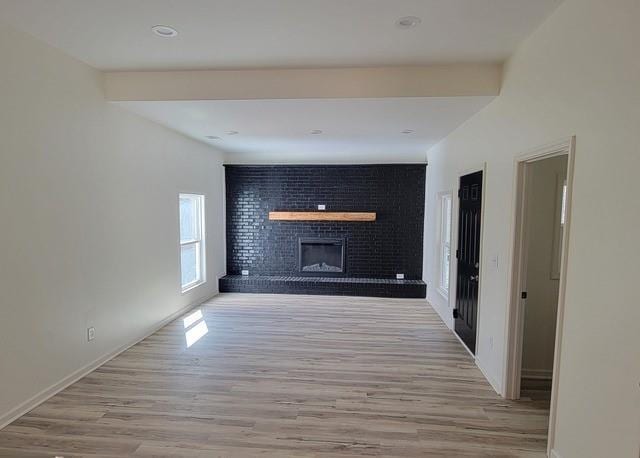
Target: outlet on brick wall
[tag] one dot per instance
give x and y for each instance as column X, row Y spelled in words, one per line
column 373, row 249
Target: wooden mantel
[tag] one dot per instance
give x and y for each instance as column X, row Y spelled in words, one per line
column 322, row 216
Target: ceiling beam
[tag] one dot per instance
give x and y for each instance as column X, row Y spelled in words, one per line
column 371, row 82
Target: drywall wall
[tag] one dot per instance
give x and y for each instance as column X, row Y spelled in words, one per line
column 544, row 188
column 578, row 74
column 311, row 83
column 431, row 257
column 89, row 225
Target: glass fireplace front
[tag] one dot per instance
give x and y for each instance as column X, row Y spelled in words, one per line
column 321, row 256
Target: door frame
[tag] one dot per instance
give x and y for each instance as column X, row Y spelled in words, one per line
column 453, row 267
column 515, row 311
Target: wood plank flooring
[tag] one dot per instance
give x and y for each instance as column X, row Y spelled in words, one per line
column 287, row 376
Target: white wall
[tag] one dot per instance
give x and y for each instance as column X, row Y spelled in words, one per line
column 89, row 219
column 579, row 73
column 542, row 284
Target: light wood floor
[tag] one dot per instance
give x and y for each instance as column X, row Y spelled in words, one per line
column 281, row 376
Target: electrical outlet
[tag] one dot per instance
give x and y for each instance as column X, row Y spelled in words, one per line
column 399, row 276
column 91, row 334
column 245, row 272
column 322, row 207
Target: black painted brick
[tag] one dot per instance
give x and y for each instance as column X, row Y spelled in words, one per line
column 370, row 287
column 392, row 244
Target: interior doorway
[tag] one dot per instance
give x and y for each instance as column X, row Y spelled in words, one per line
column 535, row 316
column 545, row 199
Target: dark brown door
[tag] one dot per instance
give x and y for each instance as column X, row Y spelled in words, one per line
column 468, row 258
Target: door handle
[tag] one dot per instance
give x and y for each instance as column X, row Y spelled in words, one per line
column 476, row 278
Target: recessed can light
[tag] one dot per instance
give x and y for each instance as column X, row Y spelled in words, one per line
column 408, row 22
column 212, row 137
column 232, row 132
column 164, row 31
column 407, row 131
column 316, row 132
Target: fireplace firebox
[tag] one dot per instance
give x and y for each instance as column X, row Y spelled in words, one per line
column 321, row 257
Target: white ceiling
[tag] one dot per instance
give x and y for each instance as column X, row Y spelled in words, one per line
column 223, row 34
column 115, row 34
column 354, row 130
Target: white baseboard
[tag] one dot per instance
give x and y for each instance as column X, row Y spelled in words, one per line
column 70, row 379
column 494, row 383
column 538, row 374
column 497, row 387
column 464, row 345
column 443, row 311
column 554, row 454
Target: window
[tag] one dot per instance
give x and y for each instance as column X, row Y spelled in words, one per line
column 192, row 240
column 560, row 220
column 445, row 242
column 563, row 205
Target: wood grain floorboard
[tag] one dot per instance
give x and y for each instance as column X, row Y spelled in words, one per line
column 287, row 376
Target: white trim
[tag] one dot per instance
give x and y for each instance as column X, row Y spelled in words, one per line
column 477, row 361
column 515, row 314
column 33, row 402
column 554, row 454
column 441, row 233
column 537, row 374
column 515, row 319
column 483, row 211
column 224, row 221
column 444, row 294
column 492, row 381
column 443, row 318
column 464, row 345
column 192, row 285
column 199, row 242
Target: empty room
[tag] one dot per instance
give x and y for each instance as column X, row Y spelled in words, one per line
column 319, row 228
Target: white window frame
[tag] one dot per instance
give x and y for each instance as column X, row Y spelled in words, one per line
column 444, row 242
column 198, row 241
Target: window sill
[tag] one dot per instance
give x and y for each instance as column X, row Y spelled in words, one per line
column 191, row 286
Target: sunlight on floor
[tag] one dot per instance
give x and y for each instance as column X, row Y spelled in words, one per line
column 192, row 318
column 194, row 332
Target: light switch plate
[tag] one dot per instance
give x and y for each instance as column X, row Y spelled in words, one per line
column 91, row 334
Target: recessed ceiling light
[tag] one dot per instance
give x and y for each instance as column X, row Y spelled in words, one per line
column 232, row 132
column 164, row 31
column 408, row 22
column 407, row 131
column 316, row 132
column 212, row 137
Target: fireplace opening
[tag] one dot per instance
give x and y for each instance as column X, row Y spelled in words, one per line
column 321, row 256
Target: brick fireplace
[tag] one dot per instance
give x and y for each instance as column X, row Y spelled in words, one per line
column 334, row 256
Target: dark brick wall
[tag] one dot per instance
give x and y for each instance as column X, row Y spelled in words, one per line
column 392, row 244
column 324, row 286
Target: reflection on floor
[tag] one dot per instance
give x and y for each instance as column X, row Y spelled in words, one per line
column 280, row 376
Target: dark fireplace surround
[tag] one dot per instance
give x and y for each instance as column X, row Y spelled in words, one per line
column 325, row 257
